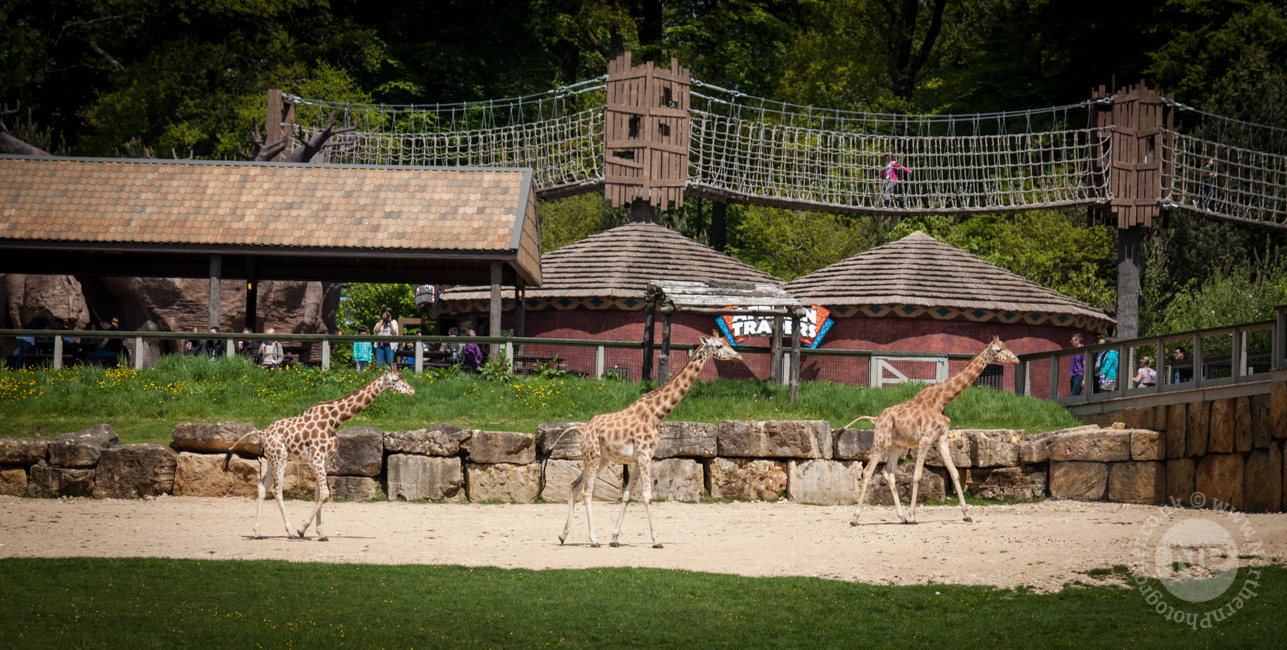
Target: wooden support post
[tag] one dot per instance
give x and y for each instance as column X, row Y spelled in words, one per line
column 1198, row 369
column 650, row 312
column 58, row 352
column 663, row 374
column 494, row 326
column 641, row 211
column 420, row 357
column 719, row 226
column 598, row 362
column 1128, row 281
column 1278, row 348
column 138, row 353
column 795, row 358
column 216, row 270
column 1021, row 378
column 229, row 348
column 520, row 310
column 1054, row 376
column 775, row 352
column 252, row 296
column 326, row 354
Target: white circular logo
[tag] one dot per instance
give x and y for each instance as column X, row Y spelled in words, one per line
column 1196, row 560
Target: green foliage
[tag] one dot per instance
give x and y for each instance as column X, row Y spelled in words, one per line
column 1232, row 295
column 161, row 603
column 568, row 220
column 361, row 304
column 496, row 367
column 789, row 243
column 1207, row 42
column 554, row 369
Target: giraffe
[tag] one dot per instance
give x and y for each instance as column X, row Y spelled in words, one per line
column 920, row 423
column 630, row 436
column 311, row 437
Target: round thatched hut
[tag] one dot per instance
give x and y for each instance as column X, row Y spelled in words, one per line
column 594, row 289
column 920, row 295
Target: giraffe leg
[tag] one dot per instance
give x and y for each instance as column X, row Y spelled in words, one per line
column 922, row 450
column 279, row 478
column 877, row 452
column 587, row 495
column 259, row 503
column 956, row 479
column 321, row 495
column 645, row 477
column 890, row 471
column 625, row 501
column 572, row 492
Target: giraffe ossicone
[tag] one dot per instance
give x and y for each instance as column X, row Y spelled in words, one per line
column 630, row 437
column 310, row 436
column 919, row 423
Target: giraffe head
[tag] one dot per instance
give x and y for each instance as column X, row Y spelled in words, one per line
column 717, row 348
column 998, row 352
column 392, row 380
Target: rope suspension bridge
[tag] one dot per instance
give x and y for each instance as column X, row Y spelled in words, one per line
column 653, row 134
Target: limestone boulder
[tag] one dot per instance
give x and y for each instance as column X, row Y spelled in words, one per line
column 1078, row 480
column 1177, row 431
column 1147, row 445
column 82, row 448
column 1137, row 482
column 678, row 479
column 359, row 451
column 775, row 439
column 133, row 471
column 959, row 443
column 1035, row 448
column 1097, row 446
column 855, row 444
column 1160, row 413
column 560, row 473
column 216, row 438
column 202, row 475
column 746, row 479
column 1262, row 423
column 994, row 447
column 1263, row 486
column 1220, row 428
column 353, row 488
column 560, row 440
column 23, row 451
column 300, row 482
column 502, row 447
column 1219, row 479
column 932, row 486
column 1243, row 429
column 13, row 481
column 1024, row 482
column 50, row 481
column 1198, row 429
column 1278, row 409
column 415, row 476
column 828, row 482
column 686, row 439
column 489, row 482
column 1179, row 480
column 438, row 440
column 1137, row 418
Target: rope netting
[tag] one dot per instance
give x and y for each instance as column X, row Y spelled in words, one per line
column 1229, row 168
column 559, row 134
column 754, row 148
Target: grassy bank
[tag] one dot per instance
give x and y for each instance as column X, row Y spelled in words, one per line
column 144, row 406
column 67, row 603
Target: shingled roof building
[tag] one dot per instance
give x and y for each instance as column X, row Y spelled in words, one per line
column 594, row 289
column 918, row 294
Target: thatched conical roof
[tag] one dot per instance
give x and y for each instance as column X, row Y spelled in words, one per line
column 619, row 263
column 920, row 273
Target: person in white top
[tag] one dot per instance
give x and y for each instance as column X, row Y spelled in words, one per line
column 386, row 326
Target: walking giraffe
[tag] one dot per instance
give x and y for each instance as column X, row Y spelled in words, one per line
column 310, row 436
column 630, row 437
column 919, row 422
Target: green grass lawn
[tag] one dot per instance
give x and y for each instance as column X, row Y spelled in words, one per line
column 143, row 603
column 144, row 406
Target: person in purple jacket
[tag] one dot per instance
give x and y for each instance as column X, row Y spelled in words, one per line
column 1077, row 370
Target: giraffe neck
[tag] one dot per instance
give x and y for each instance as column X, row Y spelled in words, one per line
column 944, row 393
column 659, row 403
column 353, row 403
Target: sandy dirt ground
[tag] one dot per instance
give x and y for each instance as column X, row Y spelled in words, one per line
column 1042, row 545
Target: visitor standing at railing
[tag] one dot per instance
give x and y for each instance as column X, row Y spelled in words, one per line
column 271, row 352
column 362, row 351
column 214, row 347
column 1209, row 175
column 1106, row 367
column 386, row 326
column 1077, row 369
column 1146, row 376
column 1181, row 370
column 891, row 174
column 472, row 355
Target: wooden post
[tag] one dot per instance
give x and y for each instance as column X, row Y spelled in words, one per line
column 1021, row 378
column 1128, row 281
column 420, row 357
column 1278, row 349
column 1054, row 375
column 326, row 354
column 775, row 351
column 252, row 296
column 1197, row 362
column 494, row 326
column 646, row 134
column 216, row 269
column 663, row 374
column 58, row 352
column 795, row 358
column 138, row 353
column 650, row 311
column 719, row 225
column 598, row 362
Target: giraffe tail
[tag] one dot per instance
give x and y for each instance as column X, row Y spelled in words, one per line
column 227, row 459
column 869, row 418
column 546, row 460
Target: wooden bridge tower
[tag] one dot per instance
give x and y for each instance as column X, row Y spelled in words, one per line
column 645, row 157
column 1134, row 121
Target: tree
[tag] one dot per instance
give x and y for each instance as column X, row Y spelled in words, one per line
column 789, row 243
column 361, row 304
